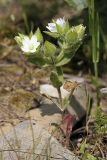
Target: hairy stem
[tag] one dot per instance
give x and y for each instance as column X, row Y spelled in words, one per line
column 60, row 96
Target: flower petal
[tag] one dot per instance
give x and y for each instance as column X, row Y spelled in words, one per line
column 61, row 22
column 51, row 27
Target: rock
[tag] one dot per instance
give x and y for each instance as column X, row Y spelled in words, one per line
column 52, row 91
column 29, row 140
column 46, row 114
column 78, row 100
column 21, row 100
column 14, row 104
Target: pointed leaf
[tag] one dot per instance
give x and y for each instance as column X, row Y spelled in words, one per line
column 49, row 48
column 39, row 35
column 55, row 80
column 54, row 35
column 67, row 54
column 82, row 148
column 90, row 157
column 39, row 61
column 66, row 58
column 60, row 73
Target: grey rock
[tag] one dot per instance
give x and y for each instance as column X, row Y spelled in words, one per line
column 78, row 100
column 29, row 141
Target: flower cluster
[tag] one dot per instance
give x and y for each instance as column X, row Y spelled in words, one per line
column 69, row 40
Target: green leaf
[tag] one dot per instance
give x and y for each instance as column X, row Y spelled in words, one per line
column 90, row 157
column 66, row 58
column 39, row 61
column 71, row 36
column 96, row 40
column 62, row 30
column 59, row 28
column 67, row 54
column 49, row 49
column 60, row 74
column 19, row 38
column 66, row 27
column 82, row 148
column 55, row 80
column 78, row 4
column 39, row 35
column 54, row 35
column 60, row 56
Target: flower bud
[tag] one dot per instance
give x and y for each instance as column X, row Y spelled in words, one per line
column 80, row 29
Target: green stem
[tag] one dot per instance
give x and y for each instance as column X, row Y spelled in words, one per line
column 96, row 71
column 59, row 72
column 60, row 97
column 60, row 75
column 96, row 79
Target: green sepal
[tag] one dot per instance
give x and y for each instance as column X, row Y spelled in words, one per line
column 49, row 49
column 66, row 27
column 62, row 30
column 19, row 38
column 39, row 35
column 30, row 34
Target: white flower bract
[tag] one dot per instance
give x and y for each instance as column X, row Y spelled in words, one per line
column 29, row 44
column 52, row 26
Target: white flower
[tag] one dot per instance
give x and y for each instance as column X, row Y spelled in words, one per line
column 52, row 26
column 29, row 44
